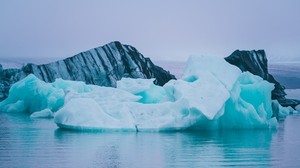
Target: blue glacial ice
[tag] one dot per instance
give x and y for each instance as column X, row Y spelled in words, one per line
column 211, row 95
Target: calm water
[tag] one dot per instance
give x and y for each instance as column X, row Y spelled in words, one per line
column 287, row 74
column 25, row 142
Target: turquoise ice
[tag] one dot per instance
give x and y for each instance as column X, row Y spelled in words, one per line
column 211, row 95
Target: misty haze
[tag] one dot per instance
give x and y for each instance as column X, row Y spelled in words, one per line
column 149, row 84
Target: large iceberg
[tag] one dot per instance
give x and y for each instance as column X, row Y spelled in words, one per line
column 102, row 66
column 211, row 95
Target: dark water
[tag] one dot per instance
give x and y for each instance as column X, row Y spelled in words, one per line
column 287, row 74
column 25, row 142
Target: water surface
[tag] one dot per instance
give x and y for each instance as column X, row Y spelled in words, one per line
column 26, row 142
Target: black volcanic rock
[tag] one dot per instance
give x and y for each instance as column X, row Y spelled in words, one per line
column 256, row 63
column 7, row 76
column 102, row 66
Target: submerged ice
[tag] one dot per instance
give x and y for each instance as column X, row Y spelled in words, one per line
column 212, row 94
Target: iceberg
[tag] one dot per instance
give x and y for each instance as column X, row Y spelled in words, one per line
column 33, row 95
column 102, row 66
column 211, row 95
column 256, row 62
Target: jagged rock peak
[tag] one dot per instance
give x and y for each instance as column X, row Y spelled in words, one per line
column 102, row 66
column 255, row 61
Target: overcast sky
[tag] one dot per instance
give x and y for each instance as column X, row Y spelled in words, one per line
column 38, row 31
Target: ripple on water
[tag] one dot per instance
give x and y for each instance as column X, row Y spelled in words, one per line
column 39, row 143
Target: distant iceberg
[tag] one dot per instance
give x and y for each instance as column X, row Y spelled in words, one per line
column 211, row 95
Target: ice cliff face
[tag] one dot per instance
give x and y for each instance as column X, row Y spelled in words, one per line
column 102, row 66
column 256, row 62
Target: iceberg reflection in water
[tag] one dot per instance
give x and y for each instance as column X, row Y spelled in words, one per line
column 26, row 142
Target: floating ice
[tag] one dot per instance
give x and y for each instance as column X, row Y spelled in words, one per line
column 46, row 113
column 211, row 95
column 33, row 95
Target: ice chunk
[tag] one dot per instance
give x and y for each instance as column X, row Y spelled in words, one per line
column 224, row 72
column 211, row 95
column 250, row 104
column 86, row 113
column 46, row 113
column 207, row 96
column 31, row 95
column 145, row 88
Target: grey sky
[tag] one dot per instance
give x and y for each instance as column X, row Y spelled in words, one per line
column 40, row 31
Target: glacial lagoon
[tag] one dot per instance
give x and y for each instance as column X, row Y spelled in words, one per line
column 26, row 142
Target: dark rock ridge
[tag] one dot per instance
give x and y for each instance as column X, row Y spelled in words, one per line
column 102, row 66
column 256, row 63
